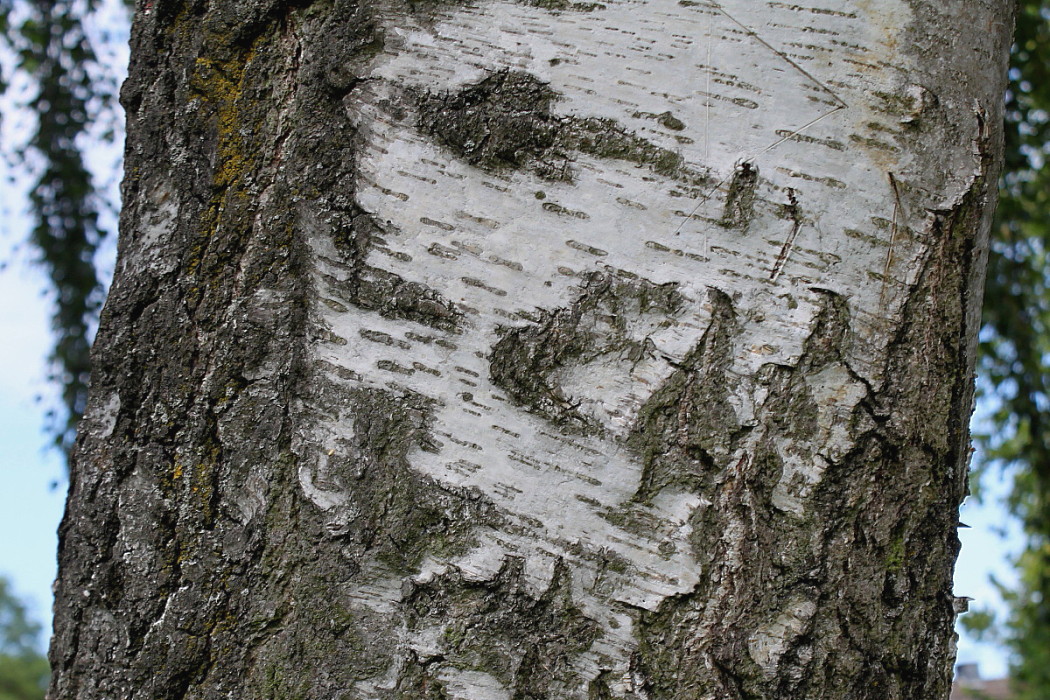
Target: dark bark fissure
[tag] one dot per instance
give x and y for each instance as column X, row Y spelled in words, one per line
column 903, row 465
column 501, row 628
column 685, row 429
column 374, row 289
column 740, row 197
column 190, row 422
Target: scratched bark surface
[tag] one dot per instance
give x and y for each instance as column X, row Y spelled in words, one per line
column 544, row 349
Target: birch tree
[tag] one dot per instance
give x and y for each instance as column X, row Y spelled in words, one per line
column 540, row 349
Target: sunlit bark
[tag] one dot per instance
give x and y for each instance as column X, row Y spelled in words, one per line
column 536, row 350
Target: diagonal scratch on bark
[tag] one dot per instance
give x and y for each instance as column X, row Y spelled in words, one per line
column 751, row 32
column 841, row 104
column 897, row 212
column 796, row 224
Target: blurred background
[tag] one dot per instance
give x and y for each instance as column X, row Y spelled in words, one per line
column 61, row 132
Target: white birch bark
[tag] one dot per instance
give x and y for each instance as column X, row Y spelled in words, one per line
column 634, row 363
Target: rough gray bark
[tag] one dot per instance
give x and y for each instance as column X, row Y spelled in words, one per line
column 437, row 367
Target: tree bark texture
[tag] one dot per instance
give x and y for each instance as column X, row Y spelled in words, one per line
column 540, row 349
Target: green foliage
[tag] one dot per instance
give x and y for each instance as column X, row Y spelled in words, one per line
column 980, row 623
column 24, row 670
column 1015, row 342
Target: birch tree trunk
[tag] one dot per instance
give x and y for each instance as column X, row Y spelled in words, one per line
column 538, row 349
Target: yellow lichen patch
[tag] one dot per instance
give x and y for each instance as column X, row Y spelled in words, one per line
column 221, row 83
column 224, row 89
column 204, row 489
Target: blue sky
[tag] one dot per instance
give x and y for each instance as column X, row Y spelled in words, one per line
column 29, row 508
column 985, row 553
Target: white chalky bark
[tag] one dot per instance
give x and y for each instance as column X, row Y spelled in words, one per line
column 796, row 92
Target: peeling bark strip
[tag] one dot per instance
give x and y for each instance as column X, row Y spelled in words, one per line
column 535, row 350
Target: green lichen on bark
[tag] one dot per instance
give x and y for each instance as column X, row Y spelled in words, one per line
column 499, row 627
column 226, row 99
column 526, row 360
column 506, row 122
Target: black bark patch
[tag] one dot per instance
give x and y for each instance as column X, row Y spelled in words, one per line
column 525, row 360
column 828, row 340
column 854, row 542
column 665, row 119
column 564, row 5
column 384, row 292
column 775, row 548
column 599, row 687
column 684, row 430
column 321, row 644
column 605, row 138
column 429, row 9
column 506, row 122
column 740, row 199
column 393, row 512
column 419, row 680
column 499, row 627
